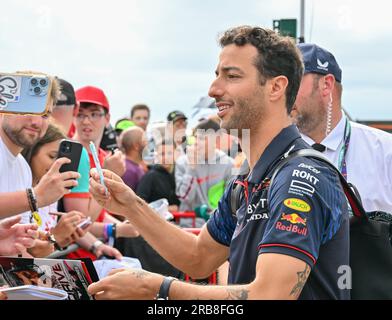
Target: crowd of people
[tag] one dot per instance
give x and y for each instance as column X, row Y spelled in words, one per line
column 278, row 97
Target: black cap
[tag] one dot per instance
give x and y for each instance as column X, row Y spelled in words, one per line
column 176, row 115
column 67, row 95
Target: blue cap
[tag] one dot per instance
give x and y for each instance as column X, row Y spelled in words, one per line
column 319, row 60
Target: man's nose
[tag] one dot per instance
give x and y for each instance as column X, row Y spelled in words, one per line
column 216, row 89
column 36, row 121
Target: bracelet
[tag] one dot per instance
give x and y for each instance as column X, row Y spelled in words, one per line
column 105, row 231
column 52, row 239
column 163, row 293
column 95, row 246
column 110, row 230
column 112, row 234
column 114, row 230
column 32, row 199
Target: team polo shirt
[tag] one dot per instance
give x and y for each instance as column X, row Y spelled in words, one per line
column 303, row 214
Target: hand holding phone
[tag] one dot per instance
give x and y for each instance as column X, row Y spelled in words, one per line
column 71, row 150
column 98, row 165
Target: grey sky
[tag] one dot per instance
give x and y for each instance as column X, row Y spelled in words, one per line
column 164, row 52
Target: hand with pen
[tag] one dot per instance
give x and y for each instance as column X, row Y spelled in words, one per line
column 67, row 230
column 119, row 195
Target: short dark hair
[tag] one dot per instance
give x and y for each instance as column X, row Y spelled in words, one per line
column 86, row 105
column 277, row 56
column 140, row 107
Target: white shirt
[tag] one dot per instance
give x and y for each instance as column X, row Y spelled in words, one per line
column 15, row 174
column 368, row 161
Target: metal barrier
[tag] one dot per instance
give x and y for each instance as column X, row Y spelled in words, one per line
column 184, row 214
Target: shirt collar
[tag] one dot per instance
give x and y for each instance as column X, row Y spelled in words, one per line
column 274, row 150
column 335, row 137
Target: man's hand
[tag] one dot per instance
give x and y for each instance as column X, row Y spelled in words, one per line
column 67, row 231
column 53, row 185
column 106, row 250
column 42, row 248
column 127, row 284
column 14, row 237
column 119, row 198
column 115, row 163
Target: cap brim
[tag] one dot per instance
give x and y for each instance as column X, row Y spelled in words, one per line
column 94, row 102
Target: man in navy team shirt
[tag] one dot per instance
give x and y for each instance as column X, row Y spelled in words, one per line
column 288, row 239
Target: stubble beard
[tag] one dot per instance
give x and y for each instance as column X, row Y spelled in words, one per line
column 245, row 115
column 311, row 118
column 18, row 138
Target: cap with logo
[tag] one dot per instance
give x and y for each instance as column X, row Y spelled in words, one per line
column 67, row 93
column 92, row 94
column 176, row 115
column 319, row 60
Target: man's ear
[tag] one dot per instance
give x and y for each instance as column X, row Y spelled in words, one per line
column 326, row 85
column 278, row 87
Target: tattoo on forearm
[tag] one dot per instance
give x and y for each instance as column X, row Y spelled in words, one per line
column 302, row 277
column 237, row 294
column 139, row 274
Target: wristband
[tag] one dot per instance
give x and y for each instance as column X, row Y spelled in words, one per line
column 32, row 200
column 110, row 230
column 163, row 293
column 114, row 230
column 112, row 234
column 105, row 231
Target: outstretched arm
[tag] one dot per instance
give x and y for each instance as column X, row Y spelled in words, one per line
column 277, row 277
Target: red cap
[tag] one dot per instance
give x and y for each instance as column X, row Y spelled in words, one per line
column 92, row 94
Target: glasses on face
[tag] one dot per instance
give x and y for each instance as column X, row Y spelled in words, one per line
column 93, row 116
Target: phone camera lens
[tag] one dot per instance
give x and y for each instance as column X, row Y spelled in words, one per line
column 34, row 82
column 43, row 82
column 37, row 90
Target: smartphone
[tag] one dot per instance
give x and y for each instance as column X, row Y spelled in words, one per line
column 71, row 150
column 85, row 223
column 97, row 165
column 23, row 93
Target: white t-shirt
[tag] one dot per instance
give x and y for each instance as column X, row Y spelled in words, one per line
column 15, row 174
column 368, row 162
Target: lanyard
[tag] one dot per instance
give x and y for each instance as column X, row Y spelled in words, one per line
column 343, row 151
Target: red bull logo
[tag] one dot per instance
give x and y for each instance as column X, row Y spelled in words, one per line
column 293, row 218
column 295, row 222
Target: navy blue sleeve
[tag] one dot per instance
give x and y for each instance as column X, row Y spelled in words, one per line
column 221, row 224
column 306, row 204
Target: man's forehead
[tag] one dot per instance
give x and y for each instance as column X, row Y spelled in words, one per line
column 235, row 56
column 140, row 113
